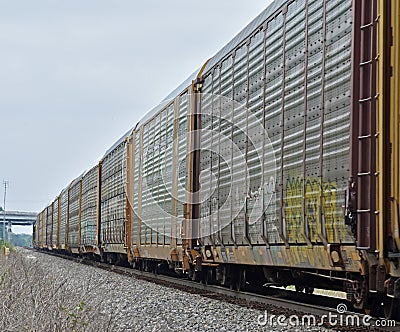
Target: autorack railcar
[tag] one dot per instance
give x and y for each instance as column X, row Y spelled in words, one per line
column 277, row 162
column 89, row 226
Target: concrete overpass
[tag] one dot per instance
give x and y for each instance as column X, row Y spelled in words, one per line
column 17, row 218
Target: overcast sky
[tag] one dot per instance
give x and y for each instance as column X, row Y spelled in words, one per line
column 75, row 75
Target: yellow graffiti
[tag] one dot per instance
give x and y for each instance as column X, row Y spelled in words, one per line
column 294, row 210
column 311, row 210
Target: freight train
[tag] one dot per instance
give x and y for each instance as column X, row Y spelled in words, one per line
column 276, row 163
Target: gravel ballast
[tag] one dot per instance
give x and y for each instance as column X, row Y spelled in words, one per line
column 84, row 298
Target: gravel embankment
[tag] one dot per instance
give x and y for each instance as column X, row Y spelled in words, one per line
column 83, row 298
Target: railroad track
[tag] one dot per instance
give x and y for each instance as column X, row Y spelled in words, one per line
column 272, row 301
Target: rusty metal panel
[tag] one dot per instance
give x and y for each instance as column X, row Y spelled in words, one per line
column 113, row 198
column 387, row 127
column 89, row 207
column 394, row 127
column 363, row 149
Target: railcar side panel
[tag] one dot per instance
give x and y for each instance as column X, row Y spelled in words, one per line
column 137, row 189
column 278, row 162
column 49, row 226
column 113, row 200
column 395, row 141
column 38, row 231
column 336, row 127
column 183, row 166
column 292, row 76
column 34, row 234
column 63, row 219
column 55, row 226
column 89, row 213
column 74, row 214
column 159, row 181
column 43, row 229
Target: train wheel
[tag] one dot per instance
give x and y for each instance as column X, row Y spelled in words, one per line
column 225, row 280
column 207, row 276
column 240, row 282
column 309, row 290
column 375, row 307
column 196, row 276
column 156, row 269
column 392, row 308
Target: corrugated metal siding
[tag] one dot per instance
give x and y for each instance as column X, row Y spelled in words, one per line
column 119, row 142
column 63, row 217
column 147, row 176
column 49, row 224
column 38, row 231
column 168, row 173
column 246, row 32
column 167, row 100
column 157, row 174
column 312, row 171
column 183, row 146
column 154, row 158
column 207, row 161
column 273, row 118
column 74, row 214
column 54, row 230
column 336, row 131
column 137, row 189
column 293, row 118
column 310, row 178
column 113, row 196
column 89, row 207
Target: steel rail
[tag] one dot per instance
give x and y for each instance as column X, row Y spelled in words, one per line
column 275, row 298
